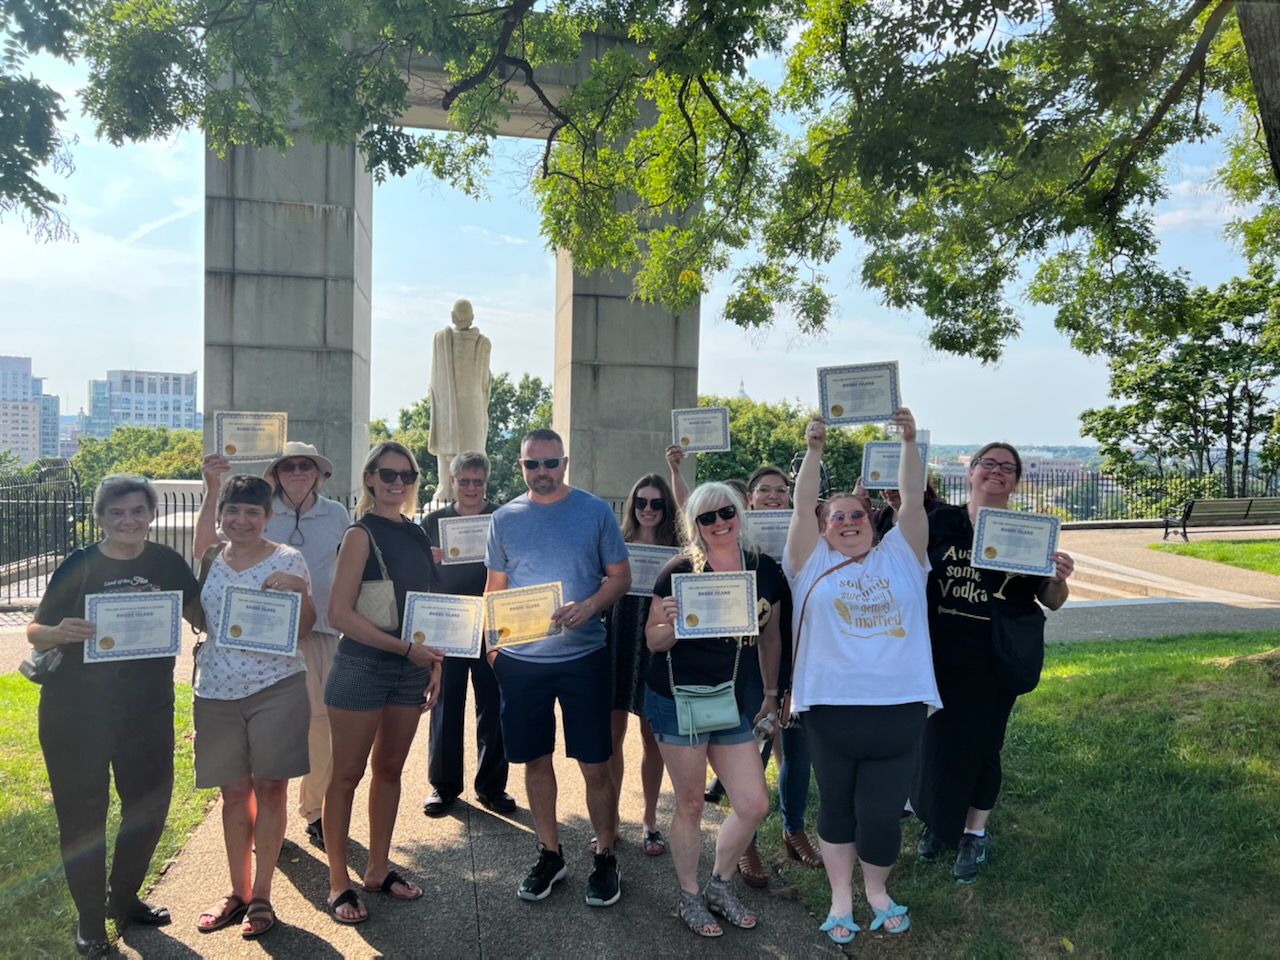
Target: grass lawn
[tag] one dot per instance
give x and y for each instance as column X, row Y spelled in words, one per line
column 1140, row 816
column 1261, row 555
column 38, row 914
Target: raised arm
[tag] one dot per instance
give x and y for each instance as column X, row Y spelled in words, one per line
column 912, row 520
column 802, row 535
column 213, row 467
column 679, row 489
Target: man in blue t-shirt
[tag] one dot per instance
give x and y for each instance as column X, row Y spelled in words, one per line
column 557, row 533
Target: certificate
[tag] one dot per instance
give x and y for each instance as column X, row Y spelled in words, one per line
column 860, row 393
column 462, row 539
column 451, row 624
column 880, row 459
column 1014, row 541
column 133, row 626
column 715, row 604
column 647, row 561
column 770, row 527
column 701, row 429
column 522, row 614
column 249, row 436
column 260, row 621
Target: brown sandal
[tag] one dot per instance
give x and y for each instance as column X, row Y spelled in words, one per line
column 754, row 872
column 259, row 911
column 799, row 848
column 229, row 910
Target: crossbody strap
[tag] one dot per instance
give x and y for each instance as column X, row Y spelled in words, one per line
column 795, row 641
column 206, row 562
column 671, row 677
column 376, row 552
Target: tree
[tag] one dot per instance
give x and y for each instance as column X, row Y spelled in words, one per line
column 961, row 140
column 153, row 452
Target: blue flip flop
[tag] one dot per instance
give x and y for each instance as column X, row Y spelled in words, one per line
column 893, row 910
column 832, row 921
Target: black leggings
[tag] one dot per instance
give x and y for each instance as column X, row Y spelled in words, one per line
column 83, row 746
column 863, row 757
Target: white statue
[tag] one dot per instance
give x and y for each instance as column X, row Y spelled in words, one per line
column 459, row 392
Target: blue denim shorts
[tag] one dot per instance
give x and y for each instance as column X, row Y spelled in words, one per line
column 661, row 712
column 371, row 683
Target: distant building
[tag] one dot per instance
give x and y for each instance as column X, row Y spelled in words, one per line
column 141, row 398
column 28, row 415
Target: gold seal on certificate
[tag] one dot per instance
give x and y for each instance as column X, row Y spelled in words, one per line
column 463, row 539
column 451, row 624
column 1015, row 541
column 701, row 429
column 260, row 621
column 522, row 614
column 720, row 604
column 859, row 393
column 647, row 562
column 133, row 626
column 880, row 460
column 247, row 436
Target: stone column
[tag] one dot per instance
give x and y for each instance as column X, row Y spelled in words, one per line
column 621, row 366
column 288, row 263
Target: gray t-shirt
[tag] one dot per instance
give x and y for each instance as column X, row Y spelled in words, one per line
column 572, row 541
column 319, row 531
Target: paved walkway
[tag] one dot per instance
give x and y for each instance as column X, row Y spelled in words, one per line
column 470, row 862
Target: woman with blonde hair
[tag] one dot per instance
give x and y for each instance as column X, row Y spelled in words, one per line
column 380, row 683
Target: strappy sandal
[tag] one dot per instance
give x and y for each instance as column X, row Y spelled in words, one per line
column 892, row 910
column 723, row 901
column 259, row 911
column 655, row 844
column 229, row 911
column 692, row 909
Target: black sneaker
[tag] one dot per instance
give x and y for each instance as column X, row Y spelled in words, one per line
column 929, row 846
column 973, row 854
column 315, row 832
column 543, row 875
column 437, row 804
column 604, row 886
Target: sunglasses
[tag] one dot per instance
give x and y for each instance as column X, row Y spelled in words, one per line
column 387, row 475
column 290, row 466
column 657, row 503
column 470, row 482
column 990, row 463
column 724, row 513
column 840, row 516
column 548, row 464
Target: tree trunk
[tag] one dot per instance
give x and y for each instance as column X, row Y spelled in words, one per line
column 1260, row 29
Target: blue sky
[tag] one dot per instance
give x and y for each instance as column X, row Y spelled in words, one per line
column 128, row 294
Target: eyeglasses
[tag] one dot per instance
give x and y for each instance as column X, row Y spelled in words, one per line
column 657, row 503
column 990, row 463
column 470, row 482
column 840, row 516
column 387, row 475
column 289, row 466
column 768, row 490
column 724, row 513
column 548, row 464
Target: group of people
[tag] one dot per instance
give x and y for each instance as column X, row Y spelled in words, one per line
column 882, row 638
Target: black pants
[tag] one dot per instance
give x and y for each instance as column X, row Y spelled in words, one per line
column 84, row 745
column 448, row 720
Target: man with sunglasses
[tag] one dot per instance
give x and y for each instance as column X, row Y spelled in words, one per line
column 469, row 473
column 558, row 533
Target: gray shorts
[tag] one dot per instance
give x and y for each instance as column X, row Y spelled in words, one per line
column 263, row 734
column 371, row 683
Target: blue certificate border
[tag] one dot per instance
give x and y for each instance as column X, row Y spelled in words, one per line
column 762, row 518
column 890, row 483
column 986, row 514
column 895, row 391
column 169, row 598
column 413, row 599
column 450, row 522
column 680, row 580
column 295, row 612
column 668, row 553
column 719, row 447
column 282, row 420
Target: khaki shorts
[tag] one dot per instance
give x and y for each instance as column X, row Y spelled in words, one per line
column 263, row 734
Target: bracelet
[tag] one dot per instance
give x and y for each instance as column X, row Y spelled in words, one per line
column 771, row 693
column 409, row 648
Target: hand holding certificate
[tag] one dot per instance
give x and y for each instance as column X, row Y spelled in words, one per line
column 249, row 436
column 1015, row 542
column 859, row 393
column 260, row 621
column 450, row 624
column 133, row 626
column 701, row 429
column 522, row 614
column 715, row 604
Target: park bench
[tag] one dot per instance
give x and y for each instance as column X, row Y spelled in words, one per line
column 1237, row 511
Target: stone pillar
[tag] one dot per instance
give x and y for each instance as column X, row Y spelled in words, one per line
column 621, row 367
column 288, row 265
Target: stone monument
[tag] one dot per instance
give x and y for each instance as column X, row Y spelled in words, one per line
column 459, row 392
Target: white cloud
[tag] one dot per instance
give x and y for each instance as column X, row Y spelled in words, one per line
column 495, row 239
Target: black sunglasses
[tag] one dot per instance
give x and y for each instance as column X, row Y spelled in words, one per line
column 657, row 503
column 387, row 475
column 724, row 513
column 548, row 464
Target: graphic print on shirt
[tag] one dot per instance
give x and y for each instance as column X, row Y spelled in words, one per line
column 963, row 585
column 866, row 605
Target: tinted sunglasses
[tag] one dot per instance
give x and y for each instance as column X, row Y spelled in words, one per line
column 387, row 475
column 470, row 482
column 840, row 516
column 289, row 466
column 724, row 513
column 657, row 503
column 548, row 464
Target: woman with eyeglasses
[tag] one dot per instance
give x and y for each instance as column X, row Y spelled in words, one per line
column 960, row 774
column 380, row 683
column 863, row 678
column 111, row 719
column 716, row 540
column 650, row 518
column 313, row 525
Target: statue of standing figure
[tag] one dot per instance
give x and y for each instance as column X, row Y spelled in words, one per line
column 459, row 392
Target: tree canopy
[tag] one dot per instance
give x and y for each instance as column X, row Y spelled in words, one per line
column 158, row 453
